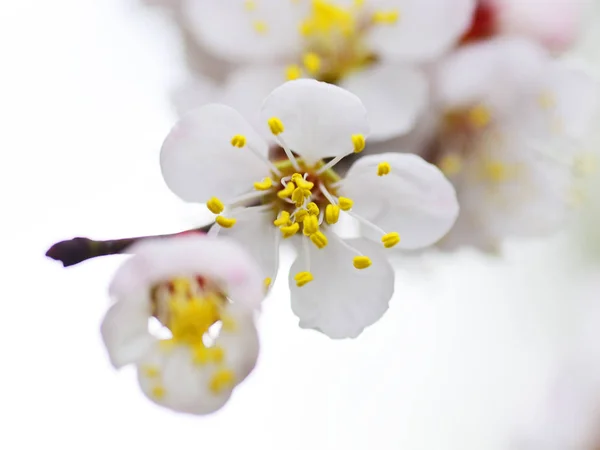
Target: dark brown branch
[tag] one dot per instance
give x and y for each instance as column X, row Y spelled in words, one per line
column 79, row 249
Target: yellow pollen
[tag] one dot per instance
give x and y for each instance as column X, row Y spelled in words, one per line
column 267, row 282
column 203, row 355
column 383, row 168
column 158, row 392
column 450, row 164
column 358, row 140
column 328, row 19
column 293, row 72
column 181, row 286
column 299, row 195
column 289, row 230
column 319, row 239
column 332, row 214
column 479, row 116
column 546, row 100
column 260, row 26
column 249, row 5
column 313, row 209
column 215, row 205
column 239, row 140
column 221, row 380
column 311, row 225
column 390, row 239
column 225, row 222
column 151, row 371
column 300, row 215
column 302, row 278
column 312, row 63
column 496, row 171
column 345, row 203
column 386, row 17
column 301, row 182
column 275, row 125
column 283, row 219
column 287, row 191
column 263, row 185
column 361, row 262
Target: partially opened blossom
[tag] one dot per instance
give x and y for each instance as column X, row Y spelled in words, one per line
column 338, row 286
column 368, row 47
column 201, row 293
column 511, row 124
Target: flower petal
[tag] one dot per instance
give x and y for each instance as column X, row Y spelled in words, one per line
column 198, row 161
column 246, row 31
column 319, row 119
column 425, row 28
column 220, row 259
column 247, row 87
column 341, row 300
column 169, row 378
column 256, row 233
column 414, row 199
column 394, row 95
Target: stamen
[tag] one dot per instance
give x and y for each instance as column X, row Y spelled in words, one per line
column 225, row 222
column 326, row 194
column 293, row 72
column 222, row 379
column 260, row 26
column 275, row 125
column 386, row 17
column 361, row 262
column 383, row 168
column 345, row 203
column 243, row 198
column 359, row 142
column 310, row 225
column 390, row 239
column 332, row 214
column 312, row 62
column 287, row 191
column 289, row 230
column 546, row 100
column 303, row 278
column 283, row 219
column 263, row 185
column 215, row 205
column 299, row 195
column 158, row 392
column 479, row 116
column 313, row 209
column 267, row 283
column 301, row 182
column 239, row 141
column 249, row 5
column 450, row 164
column 319, row 239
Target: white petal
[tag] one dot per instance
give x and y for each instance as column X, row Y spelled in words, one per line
column 394, row 95
column 425, row 28
column 198, row 161
column 342, row 301
column 194, row 93
column 414, row 199
column 184, row 385
column 256, row 233
column 125, row 330
column 319, row 119
column 219, row 259
column 247, row 87
column 228, row 28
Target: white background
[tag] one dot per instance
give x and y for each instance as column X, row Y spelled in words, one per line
column 458, row 363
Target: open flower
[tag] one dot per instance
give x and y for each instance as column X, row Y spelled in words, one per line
column 338, row 286
column 202, row 293
column 365, row 46
column 511, row 125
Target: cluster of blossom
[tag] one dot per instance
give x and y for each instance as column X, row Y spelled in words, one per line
column 468, row 105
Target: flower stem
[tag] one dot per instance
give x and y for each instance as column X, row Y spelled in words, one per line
column 79, row 249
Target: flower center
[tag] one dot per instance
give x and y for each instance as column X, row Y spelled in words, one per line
column 189, row 309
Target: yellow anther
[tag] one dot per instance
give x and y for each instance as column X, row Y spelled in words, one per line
column 300, row 215
column 479, row 116
column 310, row 225
column 150, row 371
column 226, row 222
column 299, row 195
column 345, row 203
column 239, row 140
column 313, row 209
column 215, row 205
column 386, row 17
column 496, row 171
column 390, row 239
column 383, row 168
column 301, row 182
column 283, row 219
column 181, row 286
column 263, row 185
column 250, row 5
column 267, row 282
column 158, row 392
column 221, row 380
column 312, row 63
column 275, row 125
column 287, row 191
column 450, row 164
column 260, row 26
column 361, row 262
column 358, row 140
column 546, row 100
column 289, row 230
column 204, row 355
column 302, row 278
column 332, row 214
column 293, row 72
column 319, row 239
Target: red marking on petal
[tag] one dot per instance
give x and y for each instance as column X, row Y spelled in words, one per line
column 484, row 24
